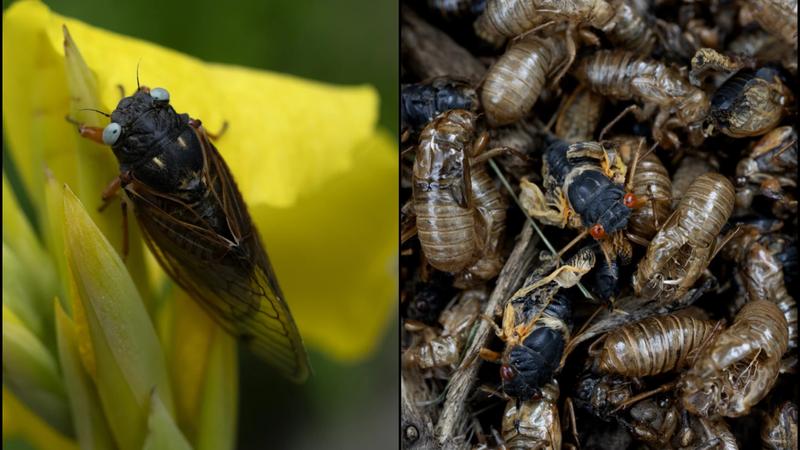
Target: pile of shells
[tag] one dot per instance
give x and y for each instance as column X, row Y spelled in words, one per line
column 599, row 218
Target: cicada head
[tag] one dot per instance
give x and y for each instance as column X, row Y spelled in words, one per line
column 153, row 141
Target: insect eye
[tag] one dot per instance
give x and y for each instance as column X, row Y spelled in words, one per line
column 159, row 94
column 629, row 200
column 597, row 231
column 111, row 133
column 507, row 373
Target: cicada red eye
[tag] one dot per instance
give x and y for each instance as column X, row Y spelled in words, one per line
column 629, row 200
column 597, row 231
column 507, row 373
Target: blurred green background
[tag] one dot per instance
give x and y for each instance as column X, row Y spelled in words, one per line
column 345, row 41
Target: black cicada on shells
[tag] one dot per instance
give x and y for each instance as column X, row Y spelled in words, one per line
column 196, row 223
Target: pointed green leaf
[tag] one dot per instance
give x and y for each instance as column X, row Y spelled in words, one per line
column 162, row 433
column 30, row 371
column 128, row 356
column 33, row 268
column 90, row 424
column 20, row 423
column 97, row 166
column 17, row 295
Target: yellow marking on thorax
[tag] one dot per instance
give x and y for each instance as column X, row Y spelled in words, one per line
column 157, row 160
column 181, row 142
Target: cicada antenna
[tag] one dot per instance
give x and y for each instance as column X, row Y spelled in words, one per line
column 95, row 110
column 137, row 73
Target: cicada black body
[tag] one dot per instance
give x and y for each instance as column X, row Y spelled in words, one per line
column 421, row 102
column 196, row 223
column 531, row 362
column 580, row 187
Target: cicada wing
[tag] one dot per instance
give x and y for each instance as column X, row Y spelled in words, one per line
column 244, row 299
column 230, row 275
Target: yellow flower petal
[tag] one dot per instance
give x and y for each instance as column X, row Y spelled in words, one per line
column 335, row 253
column 21, row 422
column 129, row 359
column 287, row 135
column 90, row 424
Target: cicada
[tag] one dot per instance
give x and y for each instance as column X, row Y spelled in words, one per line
column 195, row 222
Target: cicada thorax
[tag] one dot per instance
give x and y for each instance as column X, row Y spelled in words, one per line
column 596, row 198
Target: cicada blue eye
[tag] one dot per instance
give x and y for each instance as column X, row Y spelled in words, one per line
column 159, row 94
column 111, row 133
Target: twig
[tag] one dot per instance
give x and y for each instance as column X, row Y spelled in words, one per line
column 453, row 418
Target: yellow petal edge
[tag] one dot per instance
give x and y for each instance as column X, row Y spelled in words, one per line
column 286, row 134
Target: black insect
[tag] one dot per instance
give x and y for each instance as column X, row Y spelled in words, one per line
column 196, row 223
column 533, row 363
column 578, row 181
column 421, row 102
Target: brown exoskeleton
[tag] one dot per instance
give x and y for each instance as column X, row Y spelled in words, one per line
column 442, row 351
column 652, row 346
column 779, row 431
column 460, row 213
column 624, row 75
column 580, row 115
column 630, row 30
column 535, row 423
column 779, row 17
column 652, row 187
column 760, row 272
column 769, row 169
column 509, row 18
column 659, row 421
column 686, row 243
column 740, row 367
column 514, row 82
column 690, row 167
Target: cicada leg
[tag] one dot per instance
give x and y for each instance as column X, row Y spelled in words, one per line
column 489, row 355
column 125, row 239
column 569, row 411
column 198, row 124
column 109, row 192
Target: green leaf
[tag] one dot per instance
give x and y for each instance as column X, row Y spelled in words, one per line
column 30, row 371
column 32, row 272
column 162, row 433
column 128, row 356
column 90, row 424
column 218, row 413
